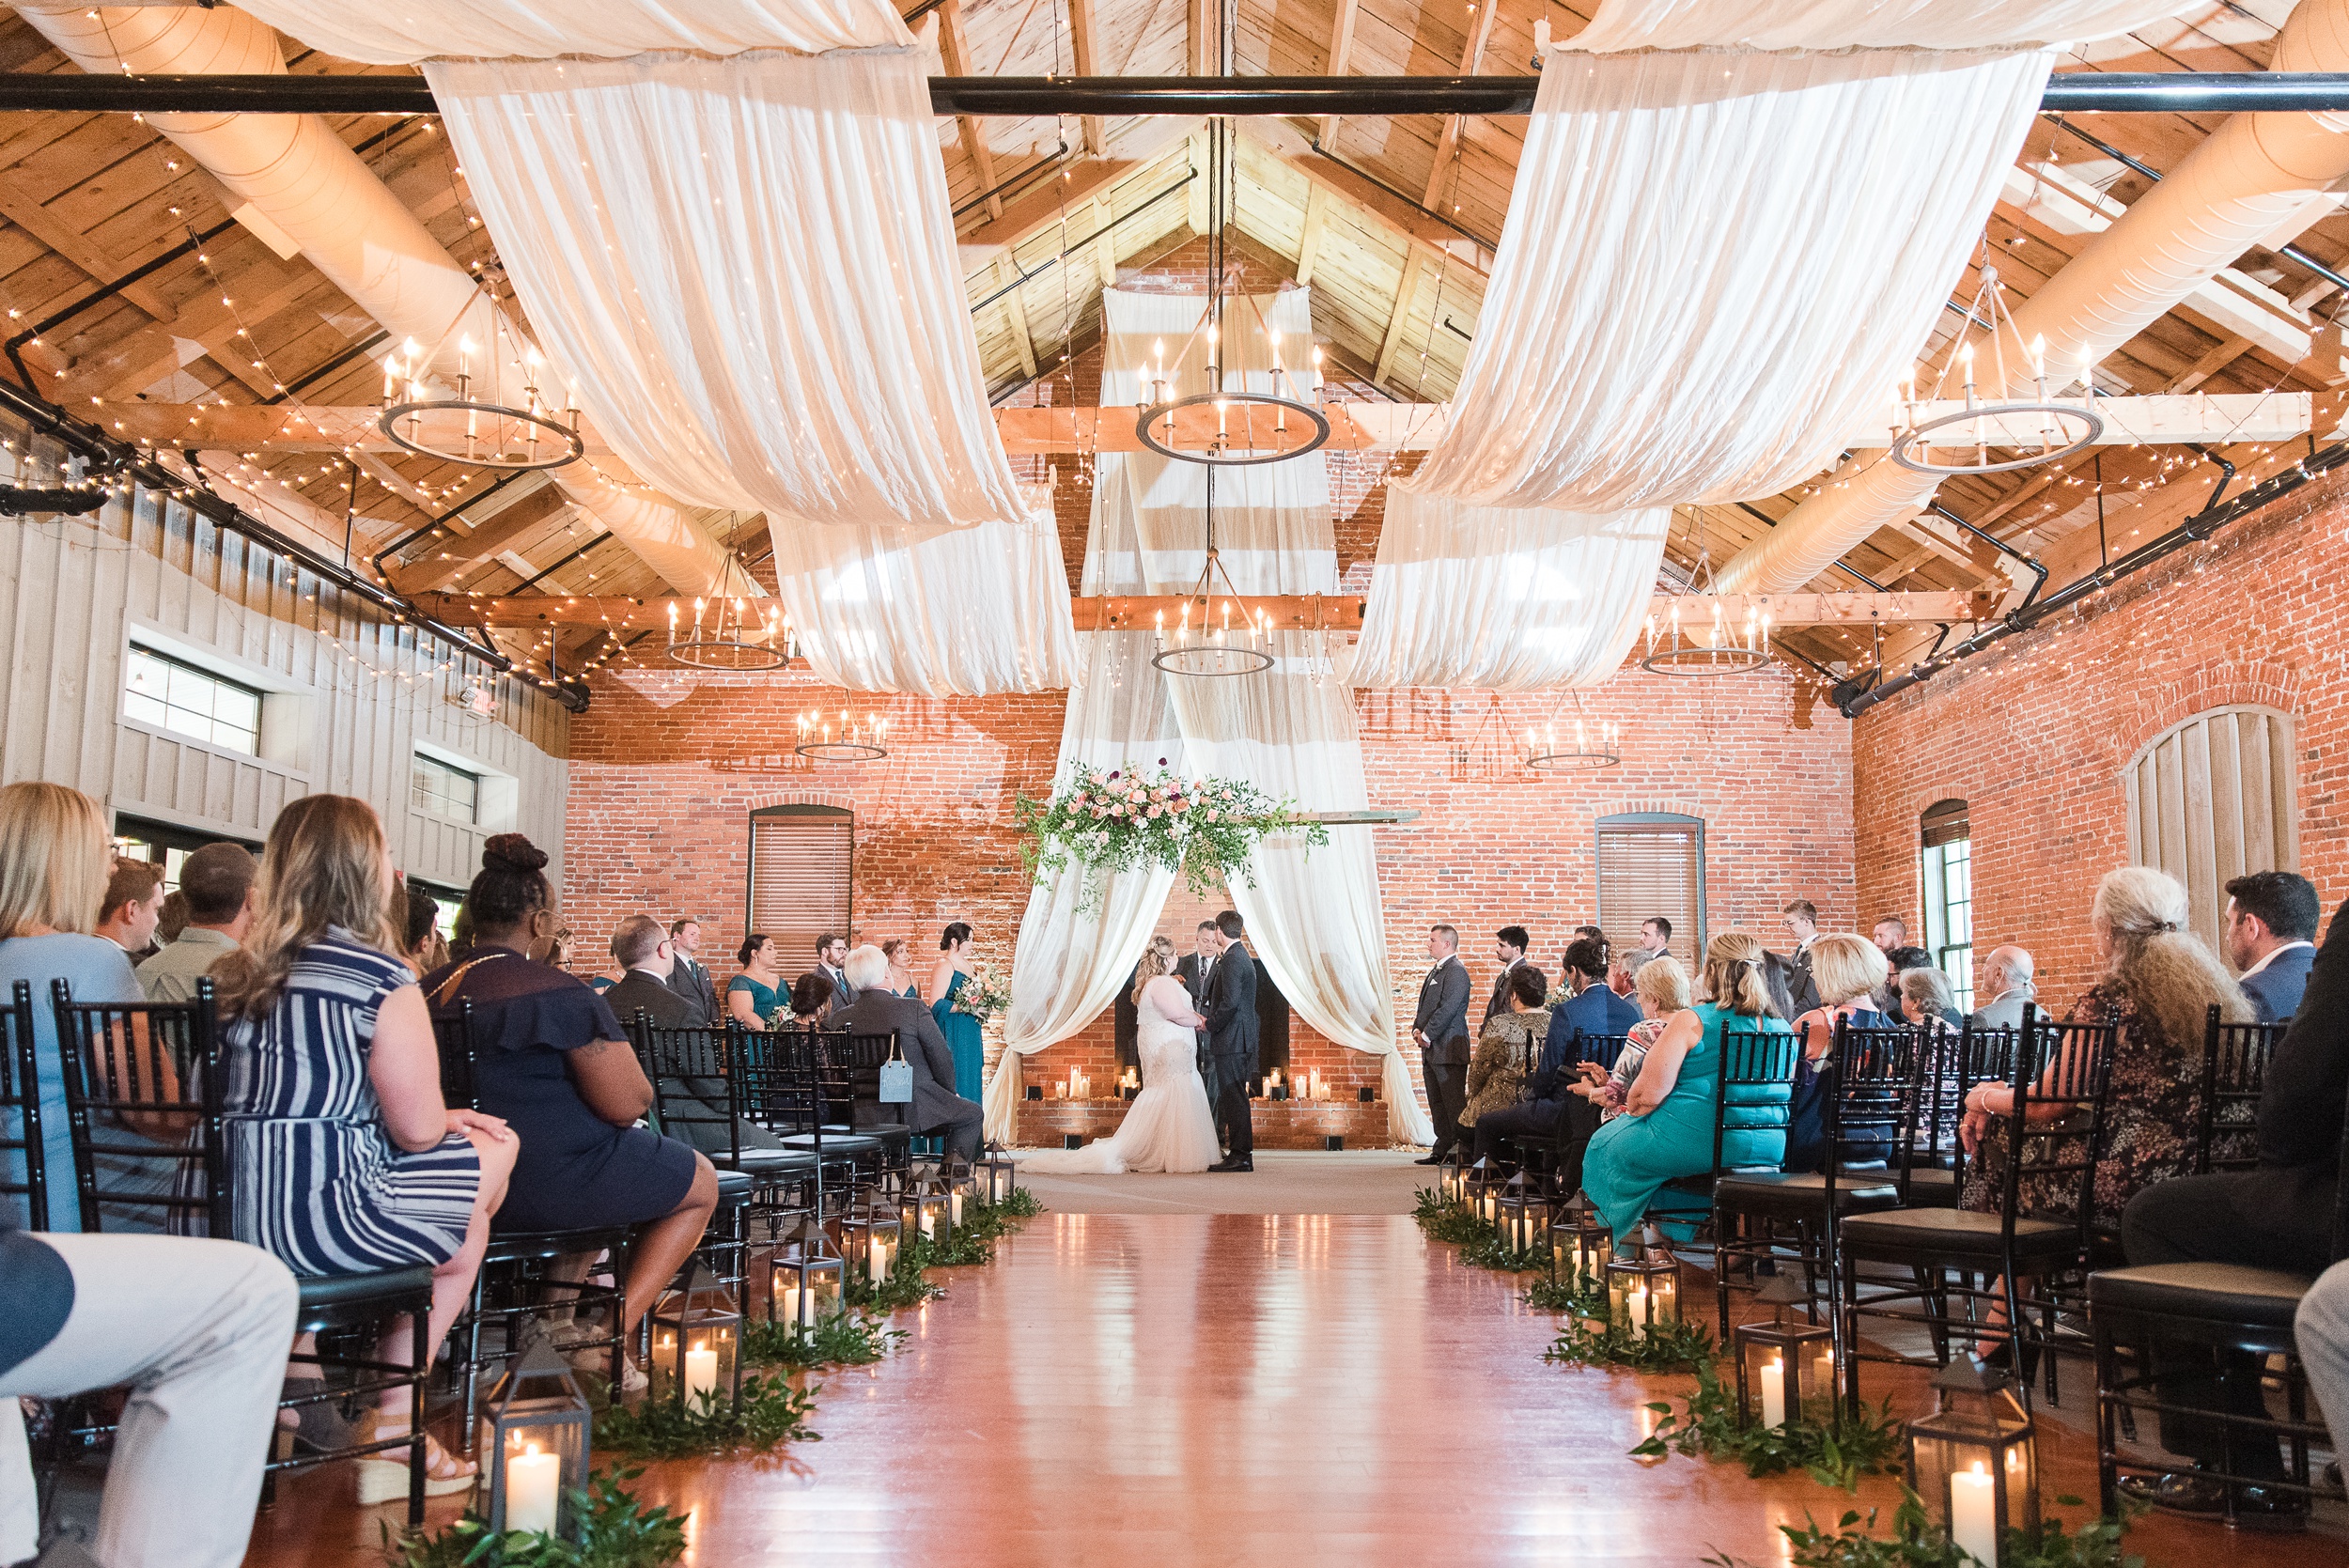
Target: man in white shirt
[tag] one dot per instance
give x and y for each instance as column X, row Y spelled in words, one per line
column 831, row 954
column 134, row 902
column 217, row 882
column 1802, row 919
column 2270, row 939
column 2006, row 975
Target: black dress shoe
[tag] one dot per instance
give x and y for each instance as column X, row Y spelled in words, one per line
column 1236, row 1162
column 1431, row 1159
column 2182, row 1492
column 2270, row 1509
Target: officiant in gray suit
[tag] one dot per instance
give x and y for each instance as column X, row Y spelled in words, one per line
column 1440, row 1027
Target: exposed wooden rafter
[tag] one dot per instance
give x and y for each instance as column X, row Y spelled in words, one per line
column 951, row 51
column 1481, row 14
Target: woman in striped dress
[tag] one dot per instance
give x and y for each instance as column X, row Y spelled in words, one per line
column 345, row 1158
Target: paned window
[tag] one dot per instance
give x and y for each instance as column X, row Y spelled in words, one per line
column 1946, row 873
column 442, row 789
column 1652, row 863
column 177, row 696
column 166, row 845
column 802, row 865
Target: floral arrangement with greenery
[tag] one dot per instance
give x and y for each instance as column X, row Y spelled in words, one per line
column 982, row 992
column 1127, row 818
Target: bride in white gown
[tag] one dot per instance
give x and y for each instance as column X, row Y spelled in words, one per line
column 1169, row 1126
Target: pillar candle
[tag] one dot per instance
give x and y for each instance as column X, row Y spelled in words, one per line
column 1823, row 1375
column 534, row 1483
column 1634, row 1305
column 701, row 1374
column 1774, row 1392
column 1973, row 1513
column 878, row 1267
column 788, row 1303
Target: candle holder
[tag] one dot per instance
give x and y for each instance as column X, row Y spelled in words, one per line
column 1481, row 1187
column 1452, row 1177
column 696, row 1335
column 1643, row 1289
column 1579, row 1244
column 536, row 1432
column 869, row 1237
column 998, row 1175
column 1522, row 1214
column 925, row 1211
column 960, row 1180
column 808, row 1281
column 1782, row 1365
column 1975, row 1460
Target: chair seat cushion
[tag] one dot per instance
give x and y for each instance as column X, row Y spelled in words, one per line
column 1804, row 1192
column 1932, row 1187
column 836, row 1143
column 735, row 1187
column 1909, row 1232
column 2224, row 1292
column 774, row 1162
column 325, row 1292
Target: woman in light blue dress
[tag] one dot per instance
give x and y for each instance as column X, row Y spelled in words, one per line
column 1666, row 1130
column 960, row 1029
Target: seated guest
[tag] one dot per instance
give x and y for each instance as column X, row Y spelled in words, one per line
column 1497, row 1070
column 194, row 1330
column 2277, row 1215
column 1594, row 1012
column 346, row 1159
column 2157, row 982
column 556, row 1064
column 937, row 1111
column 2006, row 980
column 54, row 871
column 1551, row 1109
column 133, row 905
column 1845, row 970
column 1661, row 995
column 811, row 1002
column 1666, row 1130
column 642, row 949
column 759, row 993
column 172, row 919
column 1891, row 934
column 901, row 982
column 422, row 939
column 1900, row 960
column 1619, row 974
column 2270, row 939
column 217, row 882
column 2320, row 1327
column 1926, row 998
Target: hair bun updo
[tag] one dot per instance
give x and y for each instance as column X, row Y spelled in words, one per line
column 512, row 852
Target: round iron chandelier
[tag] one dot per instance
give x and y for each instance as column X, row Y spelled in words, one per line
column 2041, row 430
column 478, row 432
column 1577, row 745
column 735, row 632
column 853, row 738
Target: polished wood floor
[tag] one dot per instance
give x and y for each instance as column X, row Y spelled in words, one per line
column 1235, row 1388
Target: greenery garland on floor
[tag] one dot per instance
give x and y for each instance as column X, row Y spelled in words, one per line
column 1834, row 1455
column 1610, row 1342
column 1916, row 1543
column 846, row 1338
column 772, row 1412
column 615, row 1531
column 1481, row 1246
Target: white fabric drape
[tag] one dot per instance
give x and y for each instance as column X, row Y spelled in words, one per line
column 407, row 32
column 1862, row 24
column 1505, row 600
column 1716, row 264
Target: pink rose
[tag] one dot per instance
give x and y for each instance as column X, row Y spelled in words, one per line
column 1179, row 805
column 1157, row 811
column 1211, row 815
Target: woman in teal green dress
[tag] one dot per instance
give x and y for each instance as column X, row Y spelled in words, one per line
column 960, row 1029
column 760, row 991
column 1666, row 1130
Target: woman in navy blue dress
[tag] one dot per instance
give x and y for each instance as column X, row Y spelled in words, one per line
column 1849, row 971
column 553, row 1061
column 346, row 1159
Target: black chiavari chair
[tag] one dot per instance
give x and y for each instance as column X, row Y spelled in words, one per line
column 20, row 1150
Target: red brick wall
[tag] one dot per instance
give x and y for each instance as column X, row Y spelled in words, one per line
column 2036, row 734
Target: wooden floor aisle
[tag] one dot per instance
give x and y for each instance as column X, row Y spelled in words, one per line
column 1232, row 1388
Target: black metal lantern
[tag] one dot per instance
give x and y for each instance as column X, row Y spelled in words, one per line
column 1522, row 1214
column 869, row 1236
column 1481, row 1187
column 925, row 1211
column 962, row 1188
column 1975, row 1460
column 998, row 1177
column 1452, row 1177
column 1644, row 1286
column 696, row 1341
column 809, row 1278
column 1579, row 1247
column 535, row 1443
column 1782, row 1365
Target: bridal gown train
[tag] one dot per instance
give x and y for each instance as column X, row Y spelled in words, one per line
column 1169, row 1126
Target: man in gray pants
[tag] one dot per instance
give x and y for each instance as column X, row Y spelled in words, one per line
column 1440, row 1028
column 198, row 1332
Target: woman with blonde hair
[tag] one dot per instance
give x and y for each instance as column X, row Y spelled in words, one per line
column 2158, row 982
column 1847, row 970
column 1666, row 1130
column 346, row 1159
column 1169, row 1126
column 54, row 862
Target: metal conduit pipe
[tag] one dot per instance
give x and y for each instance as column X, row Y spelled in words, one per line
column 297, row 173
column 1852, row 700
column 2247, row 184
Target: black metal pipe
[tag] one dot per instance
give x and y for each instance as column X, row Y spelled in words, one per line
column 2031, row 563
column 541, row 577
column 334, row 363
column 1024, row 278
column 2200, row 526
column 1409, row 201
column 1030, row 97
column 1059, row 157
column 375, row 563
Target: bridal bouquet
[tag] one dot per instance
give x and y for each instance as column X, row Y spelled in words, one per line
column 983, row 993
column 1127, row 819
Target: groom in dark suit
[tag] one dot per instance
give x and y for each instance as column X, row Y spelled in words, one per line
column 1231, row 1039
column 1196, row 971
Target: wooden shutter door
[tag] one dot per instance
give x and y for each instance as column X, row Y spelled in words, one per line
column 1652, row 865
column 802, row 864
column 2213, row 797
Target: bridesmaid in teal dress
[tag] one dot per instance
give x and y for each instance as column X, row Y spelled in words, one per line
column 960, row 1029
column 1667, row 1129
column 754, row 996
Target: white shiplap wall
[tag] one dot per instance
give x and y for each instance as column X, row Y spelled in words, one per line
column 77, row 590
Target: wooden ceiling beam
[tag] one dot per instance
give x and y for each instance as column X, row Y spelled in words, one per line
column 1388, row 211
column 1081, row 34
column 957, row 57
column 1341, row 60
column 1414, row 267
column 20, row 207
column 1448, row 141
column 466, row 548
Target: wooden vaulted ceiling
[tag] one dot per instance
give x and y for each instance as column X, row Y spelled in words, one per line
column 1392, row 220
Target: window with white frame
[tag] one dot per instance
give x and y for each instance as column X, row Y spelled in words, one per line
column 171, row 694
column 1946, row 873
column 443, row 789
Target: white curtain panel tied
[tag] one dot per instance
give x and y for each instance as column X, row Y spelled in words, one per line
column 1864, row 24
column 1506, row 598
column 409, row 32
column 1716, row 264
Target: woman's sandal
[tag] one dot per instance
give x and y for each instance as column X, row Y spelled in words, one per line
column 385, row 1480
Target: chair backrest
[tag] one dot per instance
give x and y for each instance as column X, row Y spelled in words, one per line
column 1602, row 1048
column 2063, row 1068
column 851, row 1068
column 2234, row 1070
column 693, row 1076
column 1873, row 1081
column 1753, row 1105
column 142, row 1100
column 20, row 1111
column 451, row 1038
column 1955, row 1061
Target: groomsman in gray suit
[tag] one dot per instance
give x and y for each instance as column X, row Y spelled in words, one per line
column 1440, row 1028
